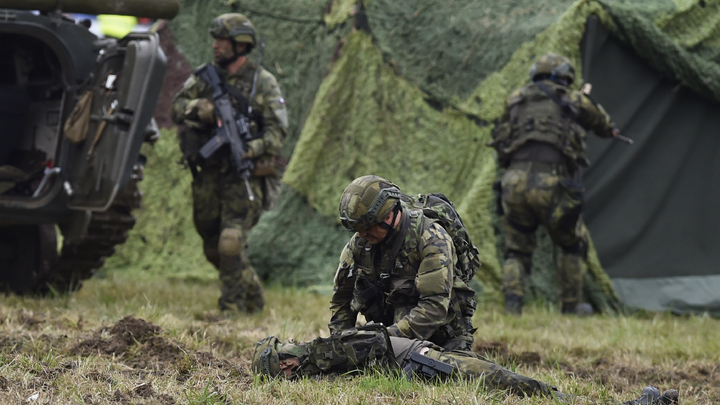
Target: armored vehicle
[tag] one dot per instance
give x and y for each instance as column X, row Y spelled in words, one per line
column 75, row 109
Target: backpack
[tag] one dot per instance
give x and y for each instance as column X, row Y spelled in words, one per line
column 439, row 208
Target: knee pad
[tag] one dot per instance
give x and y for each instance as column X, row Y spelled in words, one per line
column 229, row 244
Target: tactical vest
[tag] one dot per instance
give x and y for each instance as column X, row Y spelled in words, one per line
column 537, row 117
column 352, row 349
column 382, row 287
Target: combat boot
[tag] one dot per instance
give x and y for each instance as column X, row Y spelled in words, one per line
column 648, row 397
column 669, row 397
column 582, row 309
column 513, row 304
column 651, row 396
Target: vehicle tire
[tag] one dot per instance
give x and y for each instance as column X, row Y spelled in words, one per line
column 29, row 260
column 28, row 255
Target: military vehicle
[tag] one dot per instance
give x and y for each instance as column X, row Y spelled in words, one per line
column 75, row 109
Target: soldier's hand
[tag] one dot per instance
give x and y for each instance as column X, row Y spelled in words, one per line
column 202, row 109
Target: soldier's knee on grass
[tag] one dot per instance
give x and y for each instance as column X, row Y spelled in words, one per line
column 229, row 244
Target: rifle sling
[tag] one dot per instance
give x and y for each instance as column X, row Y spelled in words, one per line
column 562, row 103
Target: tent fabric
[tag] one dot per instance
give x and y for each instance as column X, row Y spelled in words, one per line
column 652, row 207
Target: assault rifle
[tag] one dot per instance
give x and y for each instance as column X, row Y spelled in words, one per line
column 586, row 89
column 233, row 126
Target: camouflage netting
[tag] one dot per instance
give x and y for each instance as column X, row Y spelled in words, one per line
column 409, row 91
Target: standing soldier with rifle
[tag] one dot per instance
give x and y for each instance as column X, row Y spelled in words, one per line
column 235, row 121
column 540, row 140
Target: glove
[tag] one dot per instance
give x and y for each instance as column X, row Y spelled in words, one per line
column 202, row 109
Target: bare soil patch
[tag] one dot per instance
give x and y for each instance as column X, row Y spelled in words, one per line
column 700, row 380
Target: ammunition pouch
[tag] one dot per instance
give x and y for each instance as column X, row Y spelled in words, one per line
column 443, row 335
column 268, row 166
column 502, row 139
column 352, row 349
column 424, row 367
column 191, row 139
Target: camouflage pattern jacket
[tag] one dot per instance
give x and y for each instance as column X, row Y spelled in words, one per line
column 268, row 101
column 532, row 115
column 419, row 294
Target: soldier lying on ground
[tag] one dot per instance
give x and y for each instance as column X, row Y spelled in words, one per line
column 370, row 346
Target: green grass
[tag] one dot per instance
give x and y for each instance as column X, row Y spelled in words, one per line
column 199, row 357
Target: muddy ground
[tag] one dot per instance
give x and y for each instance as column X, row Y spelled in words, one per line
column 137, row 346
column 142, row 349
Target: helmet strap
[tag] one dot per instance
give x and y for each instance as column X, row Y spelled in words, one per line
column 236, row 55
column 559, row 80
column 391, row 226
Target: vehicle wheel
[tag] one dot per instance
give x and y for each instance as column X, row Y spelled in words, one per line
column 28, row 254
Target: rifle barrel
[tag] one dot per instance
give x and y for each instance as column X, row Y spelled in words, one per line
column 625, row 139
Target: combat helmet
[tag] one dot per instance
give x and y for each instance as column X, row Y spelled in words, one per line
column 269, row 352
column 236, row 27
column 553, row 66
column 368, row 200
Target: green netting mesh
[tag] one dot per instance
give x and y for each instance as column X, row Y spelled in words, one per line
column 298, row 46
column 449, row 47
column 164, row 239
column 411, row 96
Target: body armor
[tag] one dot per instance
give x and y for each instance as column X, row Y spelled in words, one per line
column 535, row 116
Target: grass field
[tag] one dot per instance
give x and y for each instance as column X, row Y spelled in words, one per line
column 149, row 340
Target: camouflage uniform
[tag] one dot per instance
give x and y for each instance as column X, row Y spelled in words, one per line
column 541, row 142
column 370, row 346
column 360, row 348
column 419, row 294
column 222, row 212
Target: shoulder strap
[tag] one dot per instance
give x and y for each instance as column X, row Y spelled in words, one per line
column 568, row 108
column 404, row 224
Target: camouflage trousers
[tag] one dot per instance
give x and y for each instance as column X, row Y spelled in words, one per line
column 223, row 216
column 472, row 366
column 531, row 198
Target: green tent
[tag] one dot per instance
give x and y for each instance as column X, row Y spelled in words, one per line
column 411, row 91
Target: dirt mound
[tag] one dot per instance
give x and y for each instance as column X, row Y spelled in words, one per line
column 156, row 353
column 490, row 349
column 131, row 329
column 124, row 334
